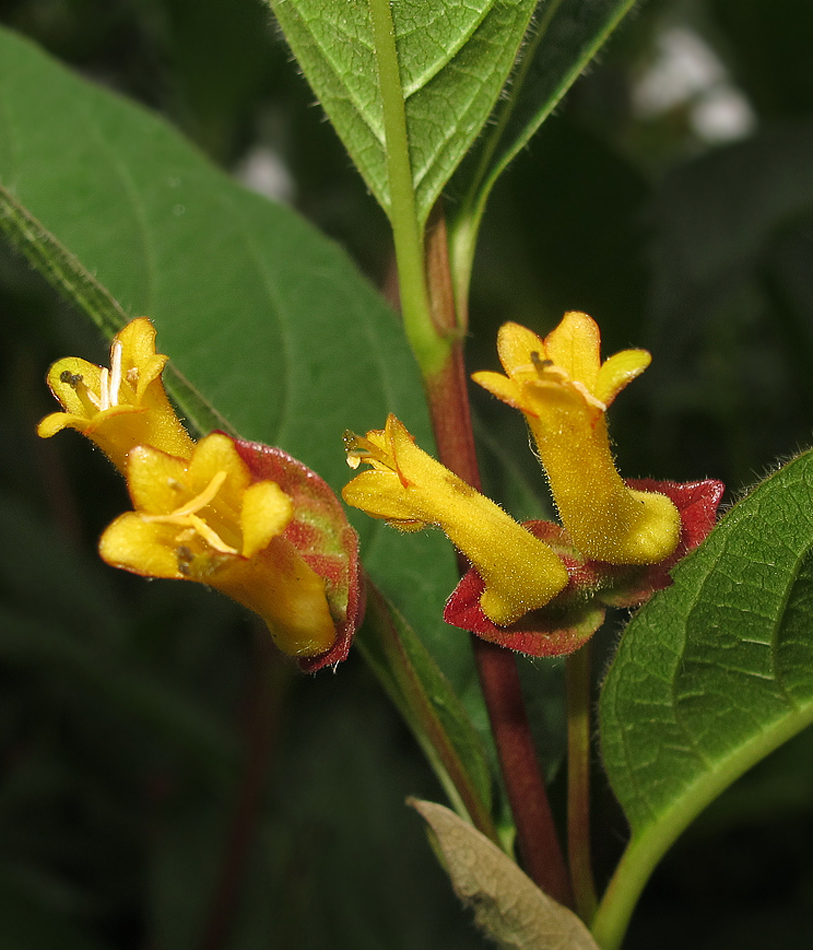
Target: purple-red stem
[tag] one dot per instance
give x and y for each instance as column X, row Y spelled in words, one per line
column 539, row 845
column 447, row 396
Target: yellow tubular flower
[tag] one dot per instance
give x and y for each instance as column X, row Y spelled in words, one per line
column 203, row 518
column 563, row 389
column 120, row 407
column 410, row 490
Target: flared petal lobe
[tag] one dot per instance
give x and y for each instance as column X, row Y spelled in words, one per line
column 122, row 406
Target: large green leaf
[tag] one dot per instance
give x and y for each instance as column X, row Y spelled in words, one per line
column 453, row 59
column 275, row 330
column 712, row 674
column 434, row 711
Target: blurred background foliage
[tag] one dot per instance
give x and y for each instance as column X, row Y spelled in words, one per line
column 166, row 781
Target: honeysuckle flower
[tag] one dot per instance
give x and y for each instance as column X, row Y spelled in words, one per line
column 245, row 518
column 563, row 389
column 120, row 407
column 410, row 490
column 206, row 519
column 574, row 615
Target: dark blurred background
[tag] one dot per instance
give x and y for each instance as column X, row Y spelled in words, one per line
column 166, row 782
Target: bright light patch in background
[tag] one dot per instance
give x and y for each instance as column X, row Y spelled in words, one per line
column 262, row 170
column 687, row 73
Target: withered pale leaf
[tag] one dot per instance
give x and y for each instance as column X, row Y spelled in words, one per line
column 507, row 904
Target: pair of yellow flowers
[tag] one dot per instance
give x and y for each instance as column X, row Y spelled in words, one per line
column 202, row 512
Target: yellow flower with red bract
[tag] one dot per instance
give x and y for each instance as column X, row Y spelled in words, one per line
column 563, row 389
column 242, row 517
column 206, row 520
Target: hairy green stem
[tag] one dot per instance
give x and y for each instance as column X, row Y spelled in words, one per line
column 429, row 346
column 578, row 782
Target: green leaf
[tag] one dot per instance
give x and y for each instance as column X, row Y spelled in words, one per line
column 433, row 710
column 507, row 904
column 277, row 334
column 712, row 675
column 453, row 59
column 565, row 37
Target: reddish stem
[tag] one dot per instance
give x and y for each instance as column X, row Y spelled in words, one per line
column 536, row 833
column 448, row 401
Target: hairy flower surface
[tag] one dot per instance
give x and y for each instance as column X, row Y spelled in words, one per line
column 120, row 407
column 563, row 389
column 205, row 519
column 410, row 490
column 245, row 518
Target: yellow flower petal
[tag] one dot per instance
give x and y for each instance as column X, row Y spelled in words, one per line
column 121, row 406
column 265, row 513
column 575, row 347
column 501, row 386
column 157, row 482
column 515, row 343
column 142, row 547
column 618, row 371
column 216, row 453
column 411, row 490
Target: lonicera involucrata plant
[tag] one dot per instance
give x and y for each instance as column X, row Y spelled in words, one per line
column 243, row 484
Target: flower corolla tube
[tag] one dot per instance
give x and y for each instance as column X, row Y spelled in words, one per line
column 410, row 490
column 563, row 389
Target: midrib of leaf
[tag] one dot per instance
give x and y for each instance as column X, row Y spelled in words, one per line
column 429, row 348
column 448, row 84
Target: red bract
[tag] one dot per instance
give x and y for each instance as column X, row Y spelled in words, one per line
column 572, row 617
column 323, row 536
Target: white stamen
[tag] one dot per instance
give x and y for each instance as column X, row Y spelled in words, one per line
column 104, row 392
column 115, row 373
column 589, row 397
